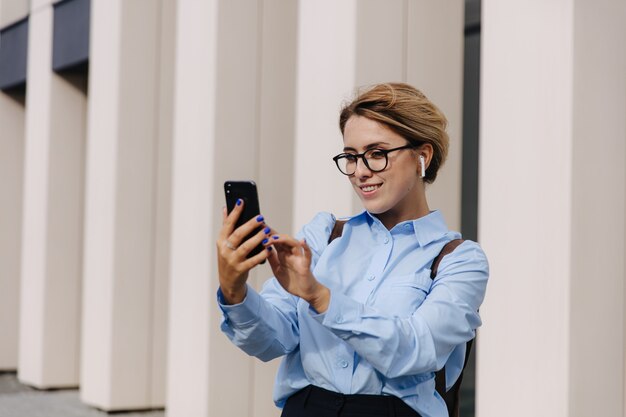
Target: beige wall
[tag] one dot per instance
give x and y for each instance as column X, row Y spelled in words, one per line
column 552, row 208
column 51, row 257
column 12, row 10
column 11, row 183
column 11, row 192
column 598, row 207
column 124, row 297
column 184, row 95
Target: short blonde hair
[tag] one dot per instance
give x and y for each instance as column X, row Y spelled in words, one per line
column 406, row 111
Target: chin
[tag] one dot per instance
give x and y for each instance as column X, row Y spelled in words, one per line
column 374, row 208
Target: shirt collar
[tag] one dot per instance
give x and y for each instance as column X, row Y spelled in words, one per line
column 427, row 229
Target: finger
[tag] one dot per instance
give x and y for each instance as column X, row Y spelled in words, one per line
column 284, row 240
column 238, row 236
column 307, row 251
column 224, row 214
column 246, row 247
column 230, row 220
column 272, row 258
column 256, row 259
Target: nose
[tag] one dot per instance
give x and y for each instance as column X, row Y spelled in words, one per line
column 362, row 171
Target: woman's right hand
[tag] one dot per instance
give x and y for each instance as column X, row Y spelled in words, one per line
column 233, row 266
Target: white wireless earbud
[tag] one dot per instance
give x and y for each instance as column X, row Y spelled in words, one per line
column 423, row 166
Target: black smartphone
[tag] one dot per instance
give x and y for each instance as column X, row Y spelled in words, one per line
column 246, row 191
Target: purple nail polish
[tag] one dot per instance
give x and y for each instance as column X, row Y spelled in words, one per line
column 267, row 230
column 265, row 241
column 269, row 248
column 275, row 237
column 260, row 219
column 239, row 201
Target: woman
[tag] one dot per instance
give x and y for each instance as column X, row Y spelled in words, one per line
column 361, row 324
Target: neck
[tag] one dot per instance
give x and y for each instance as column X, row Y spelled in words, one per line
column 397, row 215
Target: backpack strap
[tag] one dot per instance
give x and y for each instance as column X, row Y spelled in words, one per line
column 452, row 401
column 337, row 230
column 447, row 249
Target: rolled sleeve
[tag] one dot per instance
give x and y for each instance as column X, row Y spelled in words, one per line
column 243, row 314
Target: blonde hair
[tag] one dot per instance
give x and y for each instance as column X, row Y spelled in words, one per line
column 406, row 111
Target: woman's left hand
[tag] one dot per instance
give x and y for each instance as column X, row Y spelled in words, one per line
column 291, row 263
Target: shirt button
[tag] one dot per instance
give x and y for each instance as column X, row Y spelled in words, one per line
column 339, row 319
column 407, row 226
column 386, row 240
column 343, row 364
column 371, row 277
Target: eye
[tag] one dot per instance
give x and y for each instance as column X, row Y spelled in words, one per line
column 349, row 157
column 376, row 154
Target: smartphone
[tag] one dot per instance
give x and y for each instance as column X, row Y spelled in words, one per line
column 245, row 190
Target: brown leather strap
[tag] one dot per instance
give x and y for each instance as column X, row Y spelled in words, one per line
column 440, row 376
column 337, row 230
column 449, row 248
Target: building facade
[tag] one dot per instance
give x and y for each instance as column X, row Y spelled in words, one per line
column 120, row 120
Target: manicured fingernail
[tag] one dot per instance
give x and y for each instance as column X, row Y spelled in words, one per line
column 269, row 248
column 265, row 241
column 275, row 237
column 267, row 230
column 260, row 219
column 239, row 201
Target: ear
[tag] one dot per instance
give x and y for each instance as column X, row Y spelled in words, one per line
column 425, row 151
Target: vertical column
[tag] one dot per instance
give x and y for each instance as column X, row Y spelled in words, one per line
column 326, row 77
column 163, row 198
column 524, row 199
column 11, row 185
column 235, row 156
column 120, row 291
column 234, row 107
column 193, row 211
column 276, row 127
column 598, row 247
column 11, row 175
column 53, row 206
column 436, row 68
column 552, row 208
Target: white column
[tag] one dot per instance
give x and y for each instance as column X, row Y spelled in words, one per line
column 193, row 211
column 597, row 340
column 234, row 107
column 276, row 128
column 326, row 78
column 122, row 315
column 436, row 68
column 163, row 201
column 53, row 208
column 11, row 167
column 552, row 208
column 11, row 185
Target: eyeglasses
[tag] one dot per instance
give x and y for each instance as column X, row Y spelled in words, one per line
column 374, row 159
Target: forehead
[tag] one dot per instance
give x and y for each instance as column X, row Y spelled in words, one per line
column 360, row 132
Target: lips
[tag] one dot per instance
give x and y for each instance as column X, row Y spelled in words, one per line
column 369, row 189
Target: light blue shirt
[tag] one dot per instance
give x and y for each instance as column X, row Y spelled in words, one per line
column 388, row 326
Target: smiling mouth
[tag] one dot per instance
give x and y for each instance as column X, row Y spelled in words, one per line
column 369, row 188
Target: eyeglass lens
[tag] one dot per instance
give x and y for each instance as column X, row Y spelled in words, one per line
column 374, row 159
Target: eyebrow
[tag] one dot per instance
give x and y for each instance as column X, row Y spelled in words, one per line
column 367, row 147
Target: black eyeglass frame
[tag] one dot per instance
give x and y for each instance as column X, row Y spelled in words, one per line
column 343, row 155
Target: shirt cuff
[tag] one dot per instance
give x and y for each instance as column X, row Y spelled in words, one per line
column 341, row 314
column 244, row 313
